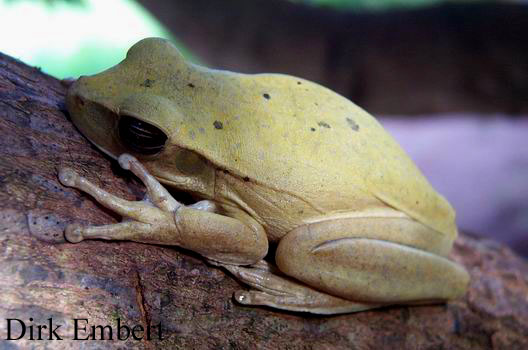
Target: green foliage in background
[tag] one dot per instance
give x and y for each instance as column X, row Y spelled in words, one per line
column 68, row 38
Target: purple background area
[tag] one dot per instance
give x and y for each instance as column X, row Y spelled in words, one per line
column 479, row 165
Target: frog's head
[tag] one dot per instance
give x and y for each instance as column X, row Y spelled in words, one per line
column 127, row 108
column 135, row 107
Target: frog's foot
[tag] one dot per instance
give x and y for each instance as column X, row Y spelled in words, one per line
column 279, row 291
column 150, row 220
column 142, row 218
column 160, row 219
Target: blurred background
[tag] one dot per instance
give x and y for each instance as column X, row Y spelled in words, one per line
column 449, row 80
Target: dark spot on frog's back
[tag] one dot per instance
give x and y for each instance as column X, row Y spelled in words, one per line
column 191, row 85
column 353, row 125
column 266, row 96
column 323, row 124
column 218, row 125
column 147, row 83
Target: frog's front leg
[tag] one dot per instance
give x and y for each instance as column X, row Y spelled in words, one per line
column 369, row 262
column 162, row 220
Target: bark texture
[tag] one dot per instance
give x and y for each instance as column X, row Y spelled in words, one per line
column 42, row 277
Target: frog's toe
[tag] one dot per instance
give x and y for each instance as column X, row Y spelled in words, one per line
column 125, row 160
column 205, row 205
column 262, row 298
column 252, row 298
column 67, row 177
column 73, row 233
column 318, row 304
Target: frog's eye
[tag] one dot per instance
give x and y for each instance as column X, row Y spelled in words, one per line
column 141, row 137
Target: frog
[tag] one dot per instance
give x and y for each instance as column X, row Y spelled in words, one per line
column 270, row 160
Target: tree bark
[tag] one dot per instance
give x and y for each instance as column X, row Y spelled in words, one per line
column 42, row 277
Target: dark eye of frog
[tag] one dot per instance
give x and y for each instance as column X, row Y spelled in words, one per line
column 141, row 137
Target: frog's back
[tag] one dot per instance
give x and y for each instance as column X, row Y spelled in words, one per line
column 300, row 138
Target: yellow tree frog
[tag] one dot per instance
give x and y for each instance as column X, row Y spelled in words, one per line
column 270, row 158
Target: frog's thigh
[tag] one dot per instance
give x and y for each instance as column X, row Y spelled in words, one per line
column 382, row 260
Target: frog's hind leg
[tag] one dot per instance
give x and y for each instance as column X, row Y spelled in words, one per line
column 354, row 264
column 276, row 290
column 389, row 260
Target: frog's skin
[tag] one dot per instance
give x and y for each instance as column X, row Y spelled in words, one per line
column 273, row 158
